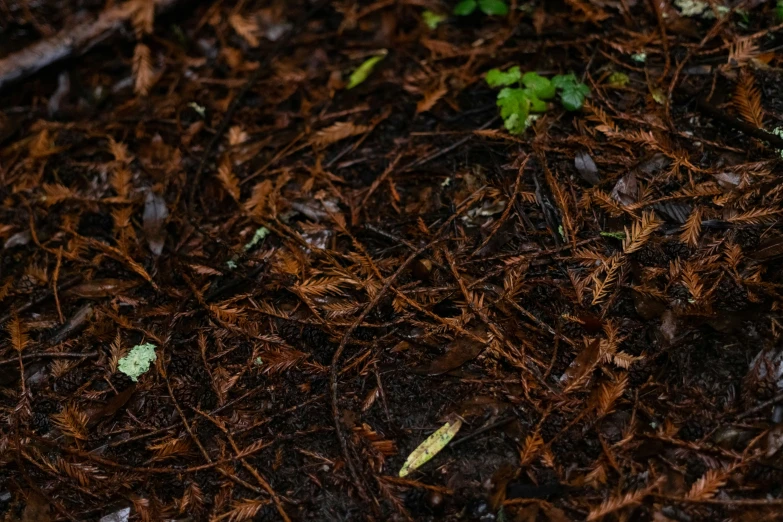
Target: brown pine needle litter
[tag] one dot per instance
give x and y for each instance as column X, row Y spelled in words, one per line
column 332, row 260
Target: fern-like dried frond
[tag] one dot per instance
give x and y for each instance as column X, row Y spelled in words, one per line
column 228, row 179
column 532, row 447
column 55, row 193
column 431, row 98
column 336, row 132
column 756, row 216
column 170, row 448
column 613, row 504
column 691, row 280
column 747, row 101
column 71, row 422
column 280, row 360
column 319, row 286
column 609, row 393
column 743, row 50
column 81, row 472
column 236, row 136
column 640, row 232
column 608, row 126
column 18, row 334
column 143, row 74
column 144, row 17
column 589, row 257
column 226, row 314
column 691, row 229
column 733, row 255
column 120, row 152
column 5, row 288
column 604, row 286
column 625, row 360
column 247, row 28
column 607, row 203
column 121, row 182
column 246, row 509
column 259, row 198
column 192, row 498
column 707, row 485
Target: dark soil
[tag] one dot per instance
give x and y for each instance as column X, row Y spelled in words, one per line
column 597, row 301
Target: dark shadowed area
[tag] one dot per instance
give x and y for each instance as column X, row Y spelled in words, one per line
column 253, row 253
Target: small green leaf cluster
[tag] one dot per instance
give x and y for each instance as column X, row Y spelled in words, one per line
column 488, row 7
column 572, row 91
column 531, row 96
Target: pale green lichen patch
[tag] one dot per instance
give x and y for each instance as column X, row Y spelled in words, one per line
column 259, row 236
column 693, row 8
column 779, row 132
column 138, row 361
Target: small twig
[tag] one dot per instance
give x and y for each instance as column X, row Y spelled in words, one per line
column 471, row 436
column 735, row 123
column 40, row 299
column 426, row 159
column 49, row 355
column 728, row 502
column 69, row 41
column 55, row 277
column 766, row 404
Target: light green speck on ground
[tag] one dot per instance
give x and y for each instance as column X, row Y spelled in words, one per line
column 779, row 132
column 231, row 264
column 639, row 57
column 258, row 361
column 198, row 108
column 363, row 71
column 138, row 361
column 432, row 19
column 259, row 236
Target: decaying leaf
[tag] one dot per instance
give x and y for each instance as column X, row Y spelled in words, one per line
column 155, row 215
column 457, row 353
column 581, row 367
column 586, row 167
column 626, row 190
column 430, row 447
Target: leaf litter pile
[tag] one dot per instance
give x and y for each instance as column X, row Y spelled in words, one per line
column 269, row 260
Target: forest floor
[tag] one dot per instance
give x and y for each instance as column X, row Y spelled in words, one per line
column 324, row 276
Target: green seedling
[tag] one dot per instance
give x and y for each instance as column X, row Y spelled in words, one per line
column 531, row 94
column 488, row 7
column 363, row 71
column 572, row 91
column 498, row 78
column 615, row 235
column 432, row 19
column 618, row 79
